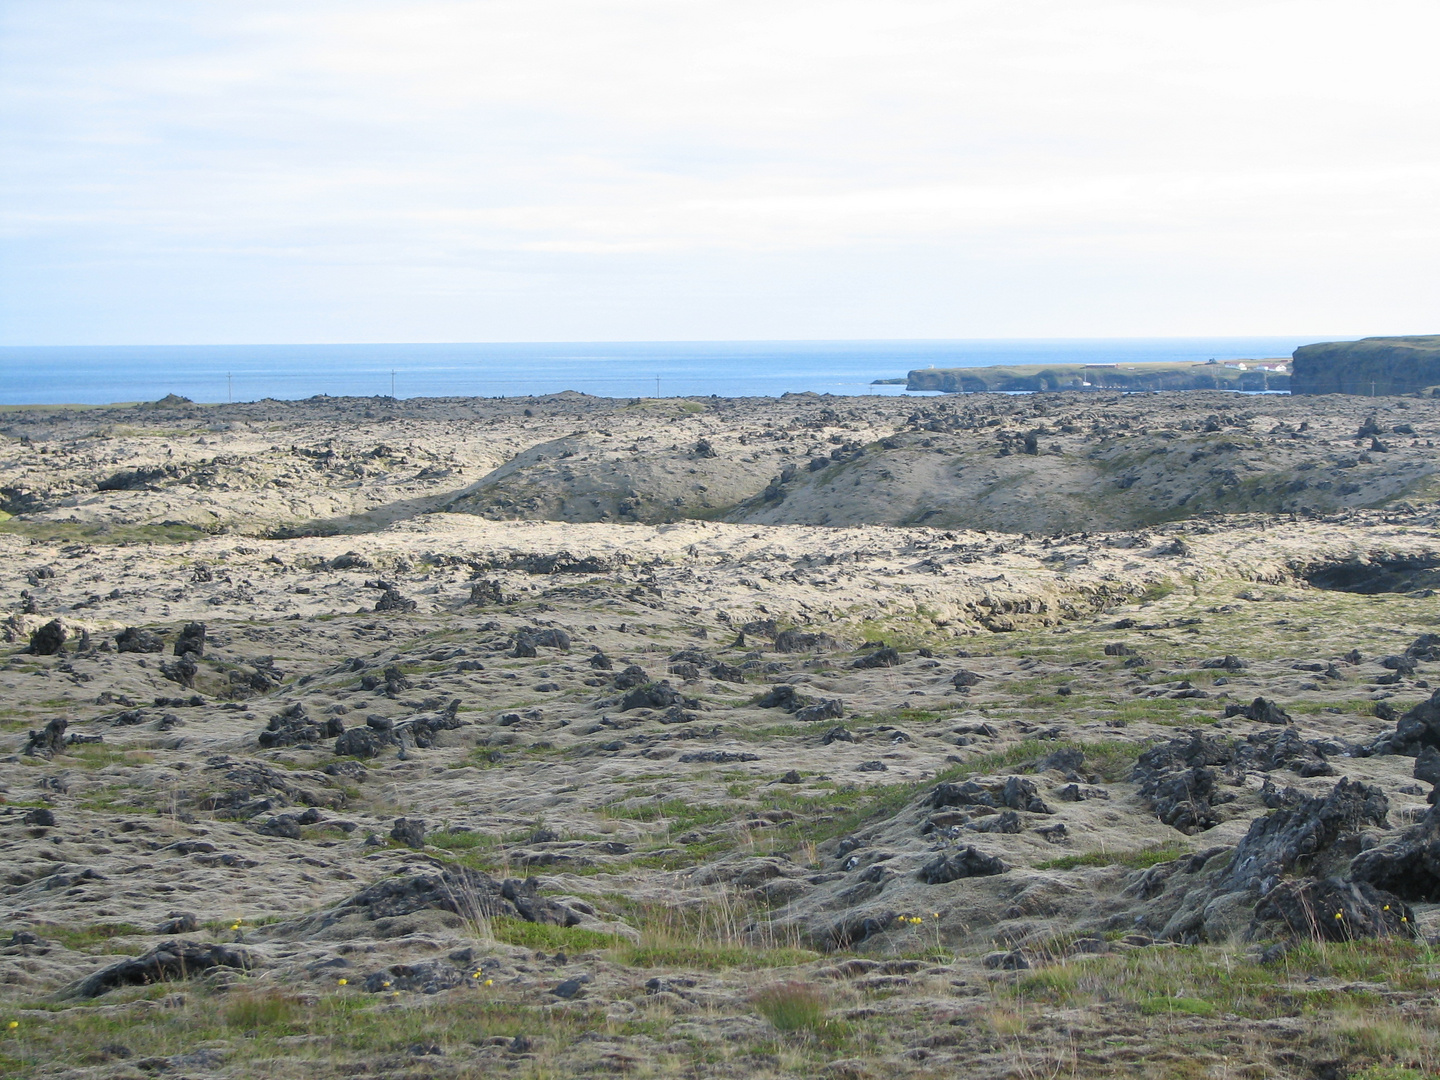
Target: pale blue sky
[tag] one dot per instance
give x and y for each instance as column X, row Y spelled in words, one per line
column 373, row 170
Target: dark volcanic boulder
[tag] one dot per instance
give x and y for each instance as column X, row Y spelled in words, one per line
column 392, row 601
column 293, row 727
column 631, row 677
column 964, row 862
column 1425, row 647
column 182, row 671
column 49, row 639
column 135, row 639
column 1334, row 910
column 967, row 794
column 660, row 695
column 792, row 641
column 885, row 657
column 409, row 831
column 468, row 893
column 165, row 963
column 963, row 679
column 1178, row 780
column 486, row 592
column 552, row 637
column 1275, row 843
column 1261, row 710
column 361, row 742
column 1418, row 727
column 191, row 639
column 829, row 709
column 1021, row 794
column 781, row 696
column 48, row 741
column 1267, row 751
column 1408, row 866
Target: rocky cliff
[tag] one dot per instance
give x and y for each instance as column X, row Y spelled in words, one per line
column 1050, row 377
column 1370, row 366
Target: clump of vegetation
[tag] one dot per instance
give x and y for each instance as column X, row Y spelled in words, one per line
column 792, row 1006
column 1135, row 859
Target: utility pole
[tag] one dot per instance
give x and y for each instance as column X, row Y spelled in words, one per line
column 657, row 385
column 229, row 388
column 392, row 382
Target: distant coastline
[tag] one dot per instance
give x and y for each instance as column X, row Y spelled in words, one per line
column 1267, row 374
column 41, row 375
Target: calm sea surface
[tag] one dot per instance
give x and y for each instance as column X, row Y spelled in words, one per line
column 91, row 375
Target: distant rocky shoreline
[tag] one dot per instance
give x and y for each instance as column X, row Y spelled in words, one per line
column 1370, row 367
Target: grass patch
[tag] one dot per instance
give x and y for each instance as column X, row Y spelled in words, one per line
column 1137, row 859
column 792, row 1006
column 544, row 937
column 86, row 938
column 98, row 756
column 1188, row 1005
column 57, row 532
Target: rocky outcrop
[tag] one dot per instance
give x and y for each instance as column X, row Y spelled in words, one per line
column 1040, row 378
column 1376, row 366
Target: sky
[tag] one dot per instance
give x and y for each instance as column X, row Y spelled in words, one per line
column 551, row 170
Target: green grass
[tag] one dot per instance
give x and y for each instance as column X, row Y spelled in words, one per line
column 709, row 956
column 1137, row 859
column 1190, row 1005
column 547, row 938
column 86, row 938
column 792, row 1006
column 99, row 756
column 57, row 532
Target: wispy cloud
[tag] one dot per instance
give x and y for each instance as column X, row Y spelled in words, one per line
column 454, row 168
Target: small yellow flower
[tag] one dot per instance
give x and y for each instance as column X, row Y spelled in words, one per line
column 344, row 982
column 1387, row 907
column 386, row 984
column 489, row 982
column 394, row 993
column 1339, row 914
column 935, row 915
column 13, row 1024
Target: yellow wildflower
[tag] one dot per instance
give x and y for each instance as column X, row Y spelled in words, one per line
column 344, row 982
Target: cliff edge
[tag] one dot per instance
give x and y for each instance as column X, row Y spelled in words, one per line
column 1371, row 366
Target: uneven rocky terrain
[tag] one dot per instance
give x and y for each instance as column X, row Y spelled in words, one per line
column 996, row 737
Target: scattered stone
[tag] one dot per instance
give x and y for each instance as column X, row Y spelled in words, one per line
column 1261, row 710
column 49, row 639
column 409, row 831
column 164, row 963
column 964, row 862
column 191, row 640
column 882, row 657
column 137, row 640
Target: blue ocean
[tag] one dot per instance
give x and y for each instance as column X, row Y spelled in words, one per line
column 214, row 373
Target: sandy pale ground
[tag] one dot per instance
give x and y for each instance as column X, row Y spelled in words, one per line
column 688, row 705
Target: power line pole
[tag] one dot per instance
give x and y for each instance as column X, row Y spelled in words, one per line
column 657, row 385
column 229, row 388
column 392, row 382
